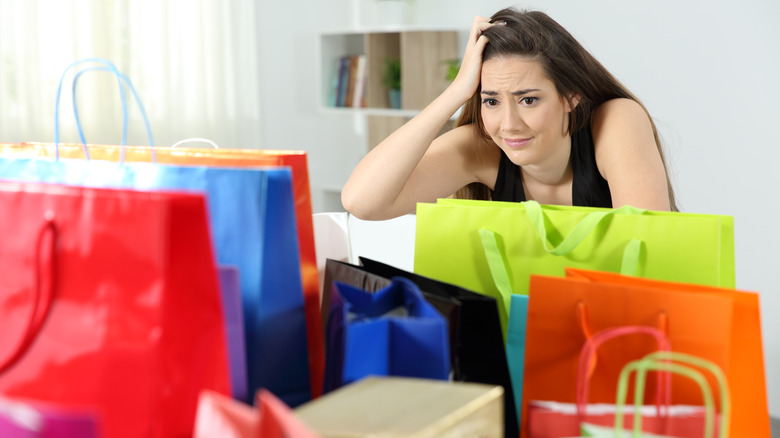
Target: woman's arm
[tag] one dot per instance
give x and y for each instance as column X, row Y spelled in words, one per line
column 412, row 165
column 628, row 157
column 407, row 167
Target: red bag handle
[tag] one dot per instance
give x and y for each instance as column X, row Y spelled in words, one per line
column 587, row 360
column 582, row 318
column 39, row 299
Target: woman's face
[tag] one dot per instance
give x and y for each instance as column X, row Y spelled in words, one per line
column 523, row 112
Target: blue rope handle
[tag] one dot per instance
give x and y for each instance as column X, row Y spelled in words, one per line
column 76, row 110
column 122, row 81
column 57, row 102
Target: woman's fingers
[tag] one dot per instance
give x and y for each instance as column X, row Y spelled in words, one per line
column 469, row 74
column 479, row 25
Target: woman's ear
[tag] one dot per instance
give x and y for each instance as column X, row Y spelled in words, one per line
column 572, row 101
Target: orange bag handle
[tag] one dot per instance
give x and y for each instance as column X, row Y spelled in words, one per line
column 42, row 300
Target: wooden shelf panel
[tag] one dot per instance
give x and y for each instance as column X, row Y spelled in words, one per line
column 423, row 66
column 422, row 53
column 379, row 48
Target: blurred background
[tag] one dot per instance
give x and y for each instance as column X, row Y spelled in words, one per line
column 246, row 74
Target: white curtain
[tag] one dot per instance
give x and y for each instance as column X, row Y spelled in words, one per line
column 192, row 62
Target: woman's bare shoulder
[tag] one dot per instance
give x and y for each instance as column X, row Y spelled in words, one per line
column 618, row 113
column 621, row 127
column 628, row 156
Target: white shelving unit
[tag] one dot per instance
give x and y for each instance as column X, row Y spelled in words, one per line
column 423, row 52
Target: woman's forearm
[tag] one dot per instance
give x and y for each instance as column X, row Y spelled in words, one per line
column 376, row 187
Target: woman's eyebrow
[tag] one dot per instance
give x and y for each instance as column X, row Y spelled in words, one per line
column 514, row 93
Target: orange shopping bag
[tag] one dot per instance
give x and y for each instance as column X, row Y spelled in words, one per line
column 296, row 160
column 720, row 325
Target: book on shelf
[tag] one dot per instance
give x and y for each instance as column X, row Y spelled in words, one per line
column 359, row 98
column 349, row 86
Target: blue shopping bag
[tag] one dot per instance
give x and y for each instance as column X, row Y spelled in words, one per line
column 230, row 288
column 391, row 332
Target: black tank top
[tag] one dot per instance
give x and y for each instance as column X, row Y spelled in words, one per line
column 588, row 188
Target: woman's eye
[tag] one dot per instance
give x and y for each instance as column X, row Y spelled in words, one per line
column 490, row 102
column 529, row 100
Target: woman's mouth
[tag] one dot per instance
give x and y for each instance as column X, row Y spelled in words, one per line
column 515, row 143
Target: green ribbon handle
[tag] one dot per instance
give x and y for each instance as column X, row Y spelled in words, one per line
column 497, row 266
column 631, row 254
column 661, row 361
column 498, row 272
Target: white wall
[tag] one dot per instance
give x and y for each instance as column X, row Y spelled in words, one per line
column 707, row 71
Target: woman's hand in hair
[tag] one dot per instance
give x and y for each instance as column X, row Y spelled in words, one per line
column 467, row 81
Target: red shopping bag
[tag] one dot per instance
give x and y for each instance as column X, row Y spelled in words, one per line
column 295, row 160
column 109, row 301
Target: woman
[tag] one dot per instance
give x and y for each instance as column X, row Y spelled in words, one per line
column 543, row 120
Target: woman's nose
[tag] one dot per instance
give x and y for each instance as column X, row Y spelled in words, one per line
column 511, row 119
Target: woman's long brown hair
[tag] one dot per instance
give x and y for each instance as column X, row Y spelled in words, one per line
column 574, row 71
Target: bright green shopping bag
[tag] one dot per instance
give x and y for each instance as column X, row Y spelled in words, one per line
column 452, row 244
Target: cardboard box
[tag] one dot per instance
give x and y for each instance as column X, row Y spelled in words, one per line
column 406, row 407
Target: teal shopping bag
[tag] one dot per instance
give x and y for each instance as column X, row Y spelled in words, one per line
column 515, row 346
